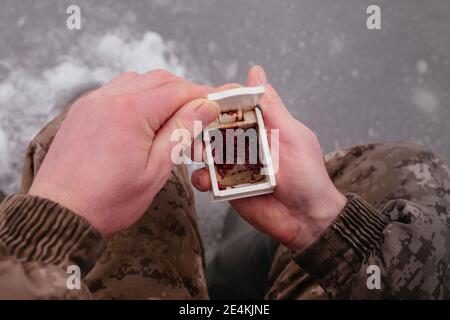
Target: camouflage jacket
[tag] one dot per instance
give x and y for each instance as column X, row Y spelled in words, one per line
column 401, row 251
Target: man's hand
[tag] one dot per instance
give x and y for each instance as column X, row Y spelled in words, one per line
column 112, row 153
column 305, row 201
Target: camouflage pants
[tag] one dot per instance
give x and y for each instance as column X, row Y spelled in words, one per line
column 379, row 173
column 161, row 256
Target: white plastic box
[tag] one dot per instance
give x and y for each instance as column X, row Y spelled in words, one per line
column 240, row 108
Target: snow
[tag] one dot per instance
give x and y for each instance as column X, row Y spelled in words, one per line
column 231, row 71
column 3, row 146
column 21, row 21
column 29, row 99
column 422, row 67
column 336, row 45
column 425, row 100
column 372, row 133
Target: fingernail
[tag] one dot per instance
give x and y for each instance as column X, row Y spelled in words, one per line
column 261, row 75
column 207, row 112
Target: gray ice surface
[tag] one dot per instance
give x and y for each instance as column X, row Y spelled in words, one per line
column 347, row 83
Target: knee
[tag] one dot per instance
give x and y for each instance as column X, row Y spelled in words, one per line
column 404, row 167
column 385, row 157
column 382, row 171
column 398, row 155
column 403, row 147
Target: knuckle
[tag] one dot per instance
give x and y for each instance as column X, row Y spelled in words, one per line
column 120, row 107
column 184, row 87
column 312, row 137
column 161, row 74
column 129, row 74
column 122, row 100
column 83, row 103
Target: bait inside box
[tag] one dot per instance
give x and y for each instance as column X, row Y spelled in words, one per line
column 236, row 146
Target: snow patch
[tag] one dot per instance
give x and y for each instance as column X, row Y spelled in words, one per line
column 372, row 133
column 21, row 21
column 3, row 150
column 31, row 97
column 337, row 45
column 231, row 71
column 421, row 67
column 425, row 100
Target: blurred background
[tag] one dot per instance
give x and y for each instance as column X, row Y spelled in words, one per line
column 347, row 83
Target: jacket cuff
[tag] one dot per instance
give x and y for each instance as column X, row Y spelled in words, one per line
column 339, row 252
column 37, row 229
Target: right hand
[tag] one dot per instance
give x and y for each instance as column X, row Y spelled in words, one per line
column 305, row 201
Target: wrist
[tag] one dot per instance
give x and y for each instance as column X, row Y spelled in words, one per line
column 318, row 218
column 327, row 209
column 63, row 197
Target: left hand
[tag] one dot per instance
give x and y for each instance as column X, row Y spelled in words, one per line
column 112, row 153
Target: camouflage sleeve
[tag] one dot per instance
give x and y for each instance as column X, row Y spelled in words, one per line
column 45, row 250
column 400, row 252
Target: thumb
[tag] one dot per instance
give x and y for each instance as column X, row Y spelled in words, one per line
column 275, row 112
column 183, row 127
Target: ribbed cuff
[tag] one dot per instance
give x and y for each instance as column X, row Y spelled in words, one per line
column 36, row 229
column 346, row 243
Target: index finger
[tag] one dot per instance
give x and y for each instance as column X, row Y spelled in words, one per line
column 160, row 104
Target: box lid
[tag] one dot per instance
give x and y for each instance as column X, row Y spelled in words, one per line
column 244, row 98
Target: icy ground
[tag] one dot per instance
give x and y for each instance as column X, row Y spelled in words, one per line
column 349, row 84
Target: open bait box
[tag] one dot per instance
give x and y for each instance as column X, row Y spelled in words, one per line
column 244, row 167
